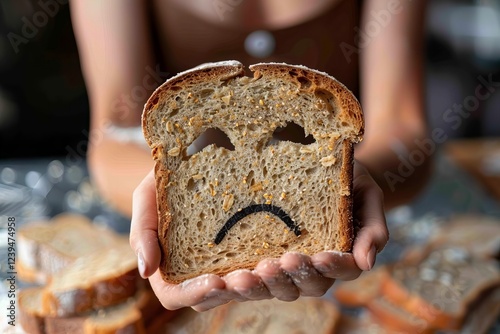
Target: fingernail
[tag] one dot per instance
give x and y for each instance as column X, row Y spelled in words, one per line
column 371, row 257
column 141, row 265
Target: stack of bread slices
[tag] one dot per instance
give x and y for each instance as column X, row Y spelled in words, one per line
column 451, row 284
column 85, row 280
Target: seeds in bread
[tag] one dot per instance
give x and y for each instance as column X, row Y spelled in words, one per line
column 226, row 208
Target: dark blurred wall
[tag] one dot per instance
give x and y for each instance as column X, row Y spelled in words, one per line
column 43, row 102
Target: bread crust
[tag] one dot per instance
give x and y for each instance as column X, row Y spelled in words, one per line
column 103, row 293
column 415, row 304
column 349, row 113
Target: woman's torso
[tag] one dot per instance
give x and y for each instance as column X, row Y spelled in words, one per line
column 314, row 33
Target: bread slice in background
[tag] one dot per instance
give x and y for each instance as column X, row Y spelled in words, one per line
column 441, row 287
column 305, row 315
column 361, row 291
column 449, row 289
column 45, row 247
column 383, row 316
column 131, row 316
column 478, row 234
column 31, row 316
column 257, row 179
column 98, row 280
column 276, row 317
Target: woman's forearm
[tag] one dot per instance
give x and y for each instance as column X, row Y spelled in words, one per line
column 116, row 169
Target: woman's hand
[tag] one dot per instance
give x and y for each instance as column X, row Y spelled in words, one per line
column 286, row 278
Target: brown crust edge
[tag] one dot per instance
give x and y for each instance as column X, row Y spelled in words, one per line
column 345, row 207
column 389, row 320
column 92, row 297
column 396, row 293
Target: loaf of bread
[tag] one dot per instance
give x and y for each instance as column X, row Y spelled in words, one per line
column 45, row 247
column 250, row 168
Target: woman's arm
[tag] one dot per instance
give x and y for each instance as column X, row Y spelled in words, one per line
column 120, row 73
column 392, row 56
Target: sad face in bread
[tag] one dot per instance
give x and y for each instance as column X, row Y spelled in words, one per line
column 250, row 168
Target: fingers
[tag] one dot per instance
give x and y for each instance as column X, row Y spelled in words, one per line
column 279, row 284
column 373, row 234
column 303, row 274
column 144, row 227
column 247, row 284
column 336, row 265
column 193, row 292
column 240, row 285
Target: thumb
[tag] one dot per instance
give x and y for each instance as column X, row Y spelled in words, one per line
column 144, row 227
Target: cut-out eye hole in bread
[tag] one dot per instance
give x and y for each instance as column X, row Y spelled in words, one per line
column 250, row 168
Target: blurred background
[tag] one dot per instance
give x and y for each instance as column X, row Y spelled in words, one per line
column 44, row 121
column 44, row 112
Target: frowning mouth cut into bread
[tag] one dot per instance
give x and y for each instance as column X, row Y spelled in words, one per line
column 250, row 168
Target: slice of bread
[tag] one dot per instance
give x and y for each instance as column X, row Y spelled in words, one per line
column 188, row 321
column 440, row 288
column 361, row 291
column 131, row 316
column 46, row 247
column 31, row 317
column 98, row 280
column 305, row 315
column 227, row 206
column 478, row 234
column 483, row 314
column 392, row 317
